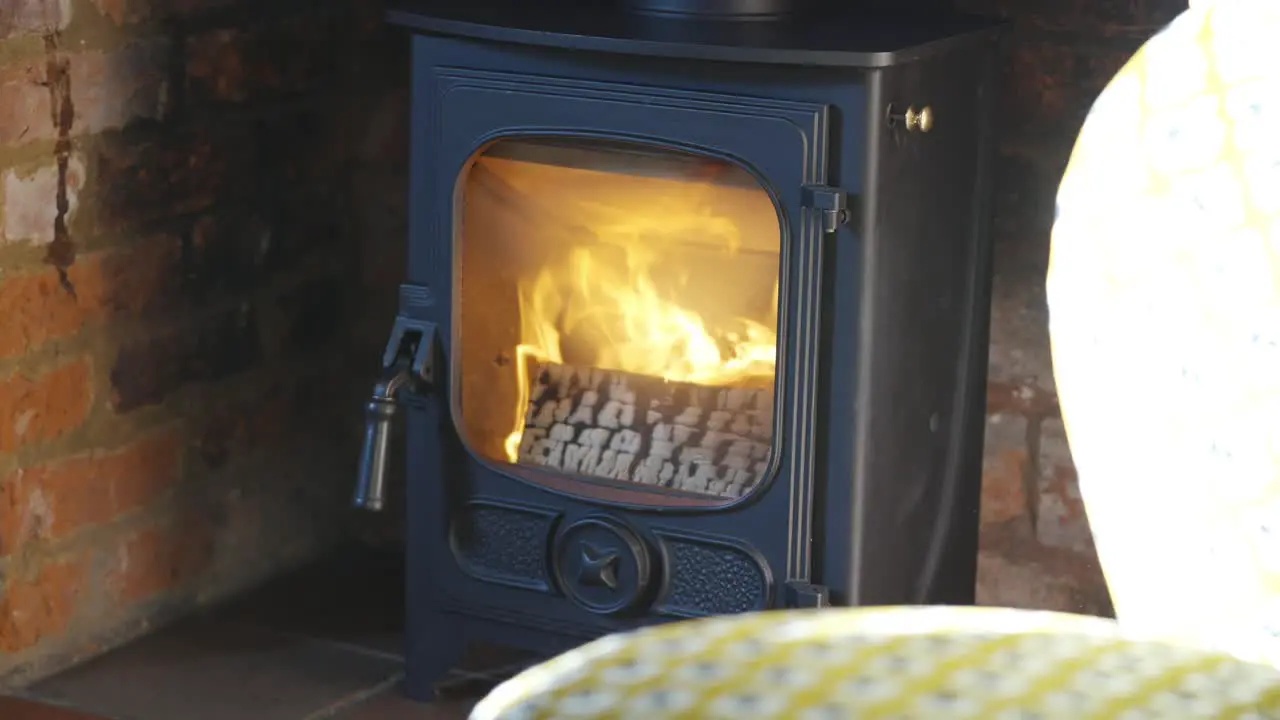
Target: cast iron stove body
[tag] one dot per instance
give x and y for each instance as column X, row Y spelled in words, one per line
column 695, row 319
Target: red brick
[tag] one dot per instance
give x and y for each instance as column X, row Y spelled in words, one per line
column 262, row 423
column 280, row 58
column 142, row 278
column 182, row 173
column 108, row 90
column 32, row 609
column 50, row 502
column 45, row 407
column 1027, row 574
column 1060, row 518
column 1005, row 469
column 228, row 250
column 111, row 89
column 24, row 103
column 199, row 7
column 1101, row 17
column 15, row 708
column 36, row 308
column 383, row 140
column 1036, row 584
column 30, row 201
column 369, row 22
column 123, row 12
column 1050, row 84
column 216, row 64
column 146, row 471
column 147, row 371
column 29, row 17
column 1020, row 399
column 161, row 558
column 315, row 313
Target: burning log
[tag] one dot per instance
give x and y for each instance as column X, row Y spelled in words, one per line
column 646, row 430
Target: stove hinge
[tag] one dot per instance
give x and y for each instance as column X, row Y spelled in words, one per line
column 807, row 595
column 408, row 364
column 831, row 203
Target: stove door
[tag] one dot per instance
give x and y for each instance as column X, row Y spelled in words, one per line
column 631, row 338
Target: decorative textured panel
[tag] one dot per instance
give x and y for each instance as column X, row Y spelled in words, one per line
column 708, row 577
column 505, row 544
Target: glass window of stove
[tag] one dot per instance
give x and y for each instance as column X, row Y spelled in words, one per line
column 617, row 316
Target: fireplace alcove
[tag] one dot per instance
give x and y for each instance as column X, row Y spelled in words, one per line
column 695, row 316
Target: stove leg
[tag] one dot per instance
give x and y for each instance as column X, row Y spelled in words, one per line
column 436, row 650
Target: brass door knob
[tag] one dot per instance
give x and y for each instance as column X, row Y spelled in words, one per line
column 921, row 119
column 913, row 119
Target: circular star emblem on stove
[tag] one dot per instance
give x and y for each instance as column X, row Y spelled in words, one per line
column 602, row 565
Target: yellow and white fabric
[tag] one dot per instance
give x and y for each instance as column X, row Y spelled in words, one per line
column 1164, row 305
column 887, row 663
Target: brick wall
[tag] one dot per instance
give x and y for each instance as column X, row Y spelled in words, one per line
column 1036, row 547
column 196, row 197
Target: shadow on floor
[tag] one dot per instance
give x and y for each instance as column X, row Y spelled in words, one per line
column 324, row 642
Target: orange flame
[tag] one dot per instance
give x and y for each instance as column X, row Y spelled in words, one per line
column 607, row 292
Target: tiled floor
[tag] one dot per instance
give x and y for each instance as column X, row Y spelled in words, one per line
column 322, row 643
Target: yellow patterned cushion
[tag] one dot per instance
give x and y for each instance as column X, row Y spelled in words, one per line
column 1164, row 307
column 908, row 662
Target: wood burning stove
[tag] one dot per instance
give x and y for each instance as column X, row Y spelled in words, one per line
column 695, row 319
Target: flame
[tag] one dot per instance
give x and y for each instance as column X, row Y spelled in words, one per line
column 606, row 291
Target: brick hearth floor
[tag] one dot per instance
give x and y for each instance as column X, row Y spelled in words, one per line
column 321, row 643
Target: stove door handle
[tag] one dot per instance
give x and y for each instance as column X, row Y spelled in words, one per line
column 409, row 362
column 381, row 409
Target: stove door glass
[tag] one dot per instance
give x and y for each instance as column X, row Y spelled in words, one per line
column 617, row 316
